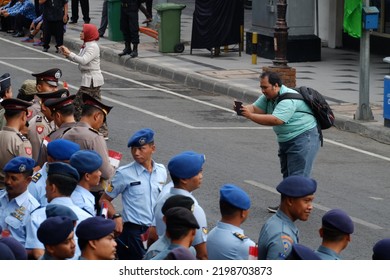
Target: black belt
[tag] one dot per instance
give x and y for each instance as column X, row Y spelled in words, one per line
column 132, row 226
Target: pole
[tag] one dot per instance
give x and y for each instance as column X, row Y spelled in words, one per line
column 281, row 35
column 363, row 112
column 254, row 48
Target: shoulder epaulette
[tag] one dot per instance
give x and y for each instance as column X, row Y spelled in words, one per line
column 65, row 131
column 94, row 130
column 21, row 136
column 240, row 236
column 36, row 209
column 36, row 177
column 39, row 118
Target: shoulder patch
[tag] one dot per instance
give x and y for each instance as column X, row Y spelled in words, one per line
column 21, row 136
column 40, row 128
column 287, row 242
column 204, row 230
column 240, row 235
column 36, row 177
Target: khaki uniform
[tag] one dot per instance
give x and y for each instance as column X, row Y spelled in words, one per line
column 39, row 128
column 59, row 132
column 33, row 110
column 2, row 118
column 12, row 144
column 91, row 139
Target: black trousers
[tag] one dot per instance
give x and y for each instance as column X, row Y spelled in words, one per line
column 84, row 9
column 21, row 22
column 53, row 28
column 129, row 21
column 129, row 243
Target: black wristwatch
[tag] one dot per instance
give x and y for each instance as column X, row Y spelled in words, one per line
column 116, row 215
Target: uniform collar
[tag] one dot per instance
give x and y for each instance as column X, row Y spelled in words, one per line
column 230, row 227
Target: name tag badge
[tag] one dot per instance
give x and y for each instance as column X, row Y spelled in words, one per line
column 135, row 183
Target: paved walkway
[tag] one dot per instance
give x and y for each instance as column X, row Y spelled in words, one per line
column 336, row 76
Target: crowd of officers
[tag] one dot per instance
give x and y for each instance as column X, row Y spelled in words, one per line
column 57, row 186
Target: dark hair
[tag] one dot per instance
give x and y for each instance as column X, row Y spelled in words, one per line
column 66, row 111
column 88, row 110
column 175, row 180
column 65, row 184
column 273, row 78
column 227, row 209
column 332, row 234
column 82, row 243
column 13, row 113
column 176, row 233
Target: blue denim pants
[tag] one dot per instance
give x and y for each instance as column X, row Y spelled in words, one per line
column 298, row 154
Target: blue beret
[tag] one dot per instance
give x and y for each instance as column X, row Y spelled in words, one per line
column 180, row 217
column 16, row 247
column 300, row 252
column 297, row 186
column 5, row 81
column 180, row 253
column 95, row 228
column 338, row 219
column 19, row 165
column 381, row 250
column 86, row 161
column 50, row 76
column 6, row 252
column 61, row 149
column 186, row 164
column 54, row 210
column 141, row 137
column 235, row 196
column 62, row 168
column 55, row 230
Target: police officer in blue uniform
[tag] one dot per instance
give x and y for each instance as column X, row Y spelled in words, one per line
column 140, row 183
column 227, row 240
column 335, row 232
column 87, row 163
column 279, row 232
column 57, row 150
column 62, row 179
column 186, row 173
column 16, row 203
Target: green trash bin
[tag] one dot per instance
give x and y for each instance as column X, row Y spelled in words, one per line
column 114, row 14
column 169, row 29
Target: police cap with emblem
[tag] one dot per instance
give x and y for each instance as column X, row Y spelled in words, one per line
column 180, row 217
column 381, row 250
column 141, row 137
column 186, row 164
column 86, row 161
column 5, row 82
column 301, row 252
column 297, row 186
column 13, row 104
column 27, row 90
column 62, row 168
column 235, row 196
column 95, row 228
column 19, row 165
column 50, row 76
column 62, row 149
column 55, row 230
column 58, row 103
column 61, row 93
column 339, row 220
column 90, row 101
column 178, row 201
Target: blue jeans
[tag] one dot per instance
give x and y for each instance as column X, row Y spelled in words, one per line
column 297, row 155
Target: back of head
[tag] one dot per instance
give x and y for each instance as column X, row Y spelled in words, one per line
column 54, row 210
column 62, row 149
column 16, row 247
column 381, row 250
column 180, row 253
column 179, row 221
column 6, row 252
column 336, row 222
column 233, row 199
column 27, row 90
column 64, row 176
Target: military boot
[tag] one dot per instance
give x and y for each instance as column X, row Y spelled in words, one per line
column 134, row 53
column 126, row 50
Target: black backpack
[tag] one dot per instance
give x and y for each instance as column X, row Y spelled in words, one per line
column 317, row 103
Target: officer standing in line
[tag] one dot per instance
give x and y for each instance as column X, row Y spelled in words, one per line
column 46, row 81
column 186, row 173
column 59, row 150
column 227, row 240
column 42, row 125
column 61, row 181
column 5, row 92
column 86, row 134
column 279, row 232
column 335, row 232
column 62, row 110
column 130, row 27
column 88, row 164
column 16, row 203
column 140, row 183
column 12, row 142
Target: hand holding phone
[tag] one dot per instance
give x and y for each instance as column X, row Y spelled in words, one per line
column 237, row 107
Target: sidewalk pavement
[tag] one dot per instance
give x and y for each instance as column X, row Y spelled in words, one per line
column 336, row 76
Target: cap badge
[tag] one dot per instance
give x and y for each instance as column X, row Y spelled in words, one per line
column 22, row 168
column 142, row 141
column 57, row 75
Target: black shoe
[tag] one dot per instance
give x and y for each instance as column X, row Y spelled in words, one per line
column 17, row 35
column 45, row 49
column 72, row 22
column 134, row 54
column 273, row 209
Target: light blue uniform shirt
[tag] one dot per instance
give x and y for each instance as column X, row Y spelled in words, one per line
column 84, row 199
column 228, row 242
column 327, row 254
column 37, row 186
column 276, row 237
column 139, row 190
column 159, row 245
column 15, row 213
column 39, row 215
column 296, row 115
column 201, row 233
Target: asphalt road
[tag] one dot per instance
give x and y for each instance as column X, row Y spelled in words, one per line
column 352, row 171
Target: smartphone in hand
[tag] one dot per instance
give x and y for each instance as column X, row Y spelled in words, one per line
column 237, row 107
